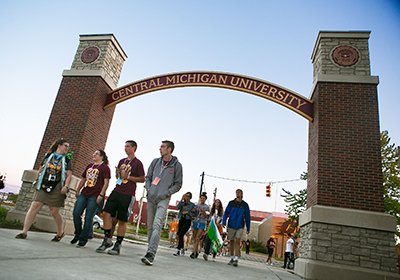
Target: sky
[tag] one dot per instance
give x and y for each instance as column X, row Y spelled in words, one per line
column 220, row 132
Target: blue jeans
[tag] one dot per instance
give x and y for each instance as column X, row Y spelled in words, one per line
column 89, row 203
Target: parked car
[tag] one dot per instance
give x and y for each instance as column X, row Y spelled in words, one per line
column 97, row 222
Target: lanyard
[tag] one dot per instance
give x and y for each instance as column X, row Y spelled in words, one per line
column 163, row 166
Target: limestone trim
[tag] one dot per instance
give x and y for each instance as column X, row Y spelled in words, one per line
column 30, row 176
column 353, row 79
column 91, row 73
column 338, row 34
column 104, row 37
column 348, row 217
column 312, row 269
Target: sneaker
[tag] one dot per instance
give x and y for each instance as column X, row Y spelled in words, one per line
column 115, row 250
column 178, row 253
column 205, row 257
column 21, row 235
column 231, row 262
column 73, row 241
column 58, row 238
column 182, row 252
column 107, row 243
column 148, row 259
column 235, row 263
column 80, row 244
column 196, row 255
column 192, row 255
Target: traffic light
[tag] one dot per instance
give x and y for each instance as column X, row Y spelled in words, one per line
column 268, row 190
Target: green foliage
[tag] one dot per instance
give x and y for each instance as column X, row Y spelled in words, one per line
column 391, row 177
column 164, row 234
column 304, row 175
column 257, row 247
column 295, row 203
column 70, row 155
column 13, row 197
column 132, row 229
column 3, row 213
column 4, row 223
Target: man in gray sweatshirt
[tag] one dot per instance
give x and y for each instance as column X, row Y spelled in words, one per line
column 164, row 178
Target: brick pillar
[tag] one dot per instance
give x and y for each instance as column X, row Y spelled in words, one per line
column 344, row 147
column 344, row 232
column 78, row 116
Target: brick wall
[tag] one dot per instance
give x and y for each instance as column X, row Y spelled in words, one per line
column 344, row 164
column 78, row 117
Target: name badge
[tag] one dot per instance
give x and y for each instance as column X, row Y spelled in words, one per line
column 156, row 181
column 119, row 181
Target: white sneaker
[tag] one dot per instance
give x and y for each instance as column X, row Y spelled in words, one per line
column 178, row 253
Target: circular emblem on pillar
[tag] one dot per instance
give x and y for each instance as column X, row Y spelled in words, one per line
column 90, row 54
column 345, row 55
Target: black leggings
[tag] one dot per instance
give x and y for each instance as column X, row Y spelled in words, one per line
column 183, row 227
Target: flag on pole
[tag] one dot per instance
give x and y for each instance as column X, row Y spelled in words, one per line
column 215, row 237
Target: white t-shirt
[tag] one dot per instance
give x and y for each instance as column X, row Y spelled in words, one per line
column 289, row 245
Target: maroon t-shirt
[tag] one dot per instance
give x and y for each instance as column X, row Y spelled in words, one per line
column 129, row 187
column 95, row 175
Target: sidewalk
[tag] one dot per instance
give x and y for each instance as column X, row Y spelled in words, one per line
column 38, row 258
column 255, row 257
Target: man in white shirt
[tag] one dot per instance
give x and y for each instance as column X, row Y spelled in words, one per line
column 289, row 252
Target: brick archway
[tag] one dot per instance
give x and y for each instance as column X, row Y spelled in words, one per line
column 263, row 89
column 344, row 213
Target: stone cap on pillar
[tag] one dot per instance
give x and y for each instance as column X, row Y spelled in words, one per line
column 98, row 55
column 30, row 176
column 342, row 56
column 348, row 217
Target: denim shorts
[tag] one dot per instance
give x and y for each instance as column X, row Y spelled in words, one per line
column 197, row 225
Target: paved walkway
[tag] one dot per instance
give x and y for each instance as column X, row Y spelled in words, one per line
column 38, row 258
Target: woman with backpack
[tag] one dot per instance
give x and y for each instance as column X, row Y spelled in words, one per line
column 55, row 175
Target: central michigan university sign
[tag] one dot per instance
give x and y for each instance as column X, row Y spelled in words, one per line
column 343, row 131
column 275, row 93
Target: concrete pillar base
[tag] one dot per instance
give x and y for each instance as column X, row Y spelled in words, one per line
column 42, row 222
column 312, row 269
column 344, row 243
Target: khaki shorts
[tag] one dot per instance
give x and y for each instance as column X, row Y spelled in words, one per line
column 234, row 233
column 53, row 199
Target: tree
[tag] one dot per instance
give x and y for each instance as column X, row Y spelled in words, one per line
column 391, row 177
column 295, row 203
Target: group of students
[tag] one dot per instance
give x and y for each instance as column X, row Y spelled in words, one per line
column 163, row 179
column 197, row 216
